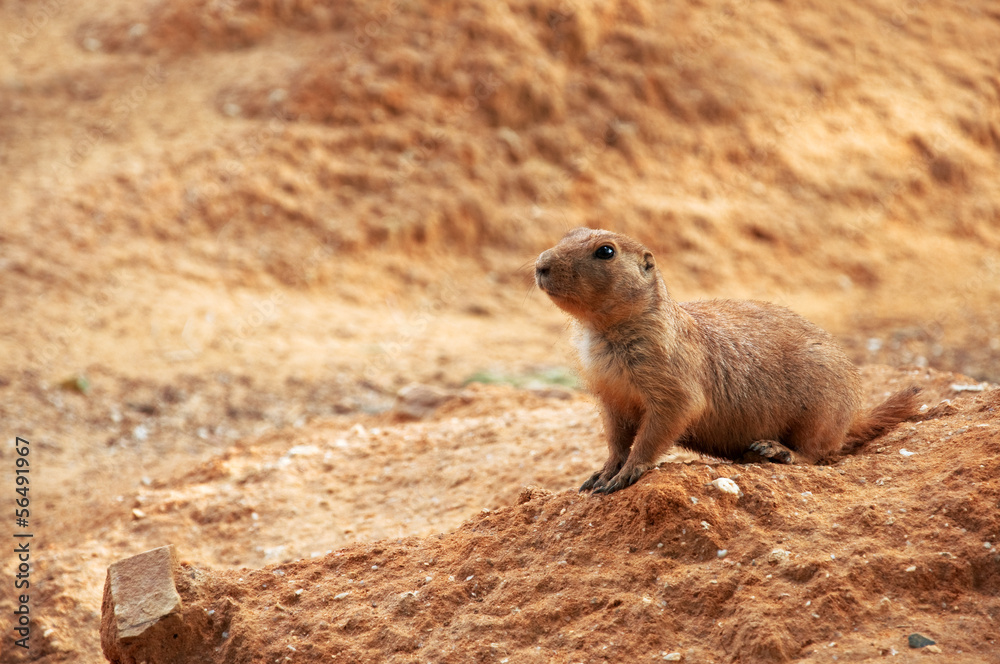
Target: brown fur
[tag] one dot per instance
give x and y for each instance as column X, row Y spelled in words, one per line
column 721, row 377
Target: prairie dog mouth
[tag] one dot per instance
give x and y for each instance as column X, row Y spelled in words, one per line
column 544, row 281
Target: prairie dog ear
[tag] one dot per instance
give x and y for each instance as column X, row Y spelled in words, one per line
column 648, row 262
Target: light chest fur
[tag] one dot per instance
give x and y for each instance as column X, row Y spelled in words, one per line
column 609, row 379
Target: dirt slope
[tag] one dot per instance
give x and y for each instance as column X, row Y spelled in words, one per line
column 556, row 573
column 231, row 232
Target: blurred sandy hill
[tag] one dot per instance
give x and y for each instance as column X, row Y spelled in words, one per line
column 843, row 160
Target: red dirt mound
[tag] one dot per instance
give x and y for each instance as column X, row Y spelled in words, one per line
column 807, row 563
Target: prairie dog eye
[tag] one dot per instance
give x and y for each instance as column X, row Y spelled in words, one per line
column 605, row 252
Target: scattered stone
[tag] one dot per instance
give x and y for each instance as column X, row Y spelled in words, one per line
column 138, row 514
column 917, row 640
column 416, row 401
column 726, row 485
column 907, row 453
column 141, row 616
column 672, row 657
column 141, row 591
column 777, row 556
column 965, row 387
column 933, row 649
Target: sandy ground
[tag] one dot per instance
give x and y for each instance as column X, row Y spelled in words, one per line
column 231, row 233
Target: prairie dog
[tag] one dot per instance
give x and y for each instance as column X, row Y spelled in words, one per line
column 727, row 378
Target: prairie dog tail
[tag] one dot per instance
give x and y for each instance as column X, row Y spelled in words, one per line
column 900, row 406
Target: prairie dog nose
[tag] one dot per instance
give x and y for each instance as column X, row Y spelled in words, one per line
column 543, row 263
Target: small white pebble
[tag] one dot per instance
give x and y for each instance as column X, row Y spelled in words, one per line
column 721, row 553
column 726, row 485
column 911, row 568
column 694, row 500
column 299, row 591
column 907, row 453
column 342, row 595
column 428, row 579
column 374, row 566
column 706, row 525
column 469, row 578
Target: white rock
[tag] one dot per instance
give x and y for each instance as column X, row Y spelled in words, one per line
column 907, row 453
column 302, row 450
column 726, row 485
column 965, row 387
column 777, row 556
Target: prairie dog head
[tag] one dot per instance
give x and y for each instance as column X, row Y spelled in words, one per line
column 598, row 276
